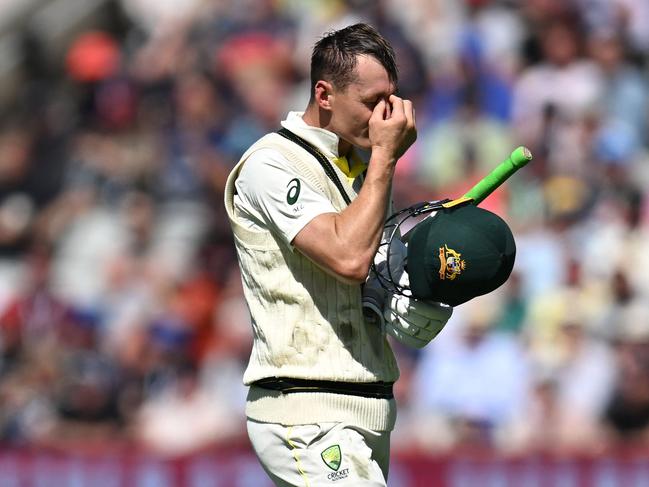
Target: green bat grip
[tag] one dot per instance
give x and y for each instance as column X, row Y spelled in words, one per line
column 499, row 175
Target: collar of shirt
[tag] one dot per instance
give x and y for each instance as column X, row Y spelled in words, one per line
column 326, row 142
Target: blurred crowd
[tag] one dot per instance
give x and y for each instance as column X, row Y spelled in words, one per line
column 121, row 313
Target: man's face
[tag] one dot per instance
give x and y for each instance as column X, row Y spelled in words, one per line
column 351, row 108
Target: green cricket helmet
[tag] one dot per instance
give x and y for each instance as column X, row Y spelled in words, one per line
column 457, row 254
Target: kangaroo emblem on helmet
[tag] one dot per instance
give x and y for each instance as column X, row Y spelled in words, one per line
column 451, row 264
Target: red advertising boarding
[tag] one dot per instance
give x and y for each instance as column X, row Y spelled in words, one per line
column 238, row 468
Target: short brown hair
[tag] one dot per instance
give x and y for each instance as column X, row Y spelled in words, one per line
column 334, row 56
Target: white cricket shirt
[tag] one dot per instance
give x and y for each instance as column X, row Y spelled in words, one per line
column 267, row 180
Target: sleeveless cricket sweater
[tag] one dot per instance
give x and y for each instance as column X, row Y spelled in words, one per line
column 306, row 323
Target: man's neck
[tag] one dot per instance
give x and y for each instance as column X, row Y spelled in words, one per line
column 317, row 118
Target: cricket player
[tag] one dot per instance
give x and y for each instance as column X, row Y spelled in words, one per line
column 307, row 216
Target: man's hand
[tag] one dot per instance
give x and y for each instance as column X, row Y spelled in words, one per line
column 392, row 128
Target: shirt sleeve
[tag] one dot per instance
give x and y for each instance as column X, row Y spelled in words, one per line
column 273, row 195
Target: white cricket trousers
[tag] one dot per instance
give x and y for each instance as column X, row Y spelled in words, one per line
column 322, row 454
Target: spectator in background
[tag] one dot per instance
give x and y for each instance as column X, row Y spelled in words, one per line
column 472, row 379
column 541, row 254
column 625, row 99
column 258, row 68
column 457, row 152
column 194, row 147
column 87, row 393
column 627, row 16
column 34, row 317
column 515, row 306
column 182, row 417
column 627, row 412
column 562, row 414
column 29, row 180
column 30, row 328
column 565, row 84
column 576, row 300
column 477, row 68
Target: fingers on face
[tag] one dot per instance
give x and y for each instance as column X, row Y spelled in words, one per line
column 409, row 113
column 388, row 110
column 379, row 110
column 397, row 106
column 403, row 108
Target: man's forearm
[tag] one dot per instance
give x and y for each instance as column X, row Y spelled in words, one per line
column 360, row 225
column 345, row 243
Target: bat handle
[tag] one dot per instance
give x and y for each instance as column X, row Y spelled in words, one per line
column 520, row 156
column 517, row 159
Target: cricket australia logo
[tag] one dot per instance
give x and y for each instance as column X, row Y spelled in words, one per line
column 450, row 263
column 332, row 457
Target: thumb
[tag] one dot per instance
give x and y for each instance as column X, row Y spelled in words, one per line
column 379, row 111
